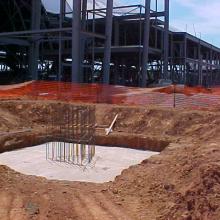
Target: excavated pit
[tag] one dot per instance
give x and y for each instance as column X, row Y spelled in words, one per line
column 114, row 152
column 180, row 183
column 107, row 163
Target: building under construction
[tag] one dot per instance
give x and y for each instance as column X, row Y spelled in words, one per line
column 84, row 42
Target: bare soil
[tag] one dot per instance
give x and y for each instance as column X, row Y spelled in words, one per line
column 183, row 182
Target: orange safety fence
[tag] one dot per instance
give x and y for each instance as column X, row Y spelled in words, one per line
column 186, row 90
column 171, row 96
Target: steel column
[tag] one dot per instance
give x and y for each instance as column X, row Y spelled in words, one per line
column 34, row 48
column 108, row 42
column 143, row 81
column 76, row 28
column 185, row 57
column 200, row 77
column 116, row 35
column 61, row 18
column 166, row 38
column 83, row 39
column 211, row 65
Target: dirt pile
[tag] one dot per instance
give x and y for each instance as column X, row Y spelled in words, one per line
column 175, row 185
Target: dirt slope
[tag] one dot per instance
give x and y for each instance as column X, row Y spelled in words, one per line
column 183, row 182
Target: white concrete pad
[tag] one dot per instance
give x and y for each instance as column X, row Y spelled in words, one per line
column 106, row 165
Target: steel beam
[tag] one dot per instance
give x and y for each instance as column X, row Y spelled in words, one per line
column 48, row 31
column 114, row 50
column 13, row 41
column 145, row 54
column 108, row 42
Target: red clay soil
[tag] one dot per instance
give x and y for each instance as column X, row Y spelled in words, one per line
column 182, row 183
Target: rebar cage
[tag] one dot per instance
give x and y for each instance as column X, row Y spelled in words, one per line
column 70, row 132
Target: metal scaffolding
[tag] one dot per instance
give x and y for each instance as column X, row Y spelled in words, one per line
column 127, row 45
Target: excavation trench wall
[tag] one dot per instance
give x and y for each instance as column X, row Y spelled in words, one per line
column 22, row 124
column 26, row 124
column 11, row 142
column 138, row 142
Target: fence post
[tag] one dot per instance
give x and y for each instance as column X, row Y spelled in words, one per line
column 174, row 95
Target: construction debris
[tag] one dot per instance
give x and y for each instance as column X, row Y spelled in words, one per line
column 110, row 129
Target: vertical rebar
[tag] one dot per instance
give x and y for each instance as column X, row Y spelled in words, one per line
column 72, row 129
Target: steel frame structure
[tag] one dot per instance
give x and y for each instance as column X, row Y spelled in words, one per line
column 194, row 61
column 128, row 45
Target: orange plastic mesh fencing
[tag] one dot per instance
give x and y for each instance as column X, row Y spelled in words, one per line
column 189, row 90
column 172, row 96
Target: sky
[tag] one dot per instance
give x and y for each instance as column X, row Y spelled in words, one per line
column 198, row 17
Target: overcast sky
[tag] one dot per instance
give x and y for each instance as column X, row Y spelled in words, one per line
column 200, row 17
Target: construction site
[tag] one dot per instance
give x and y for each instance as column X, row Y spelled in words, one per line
column 106, row 113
